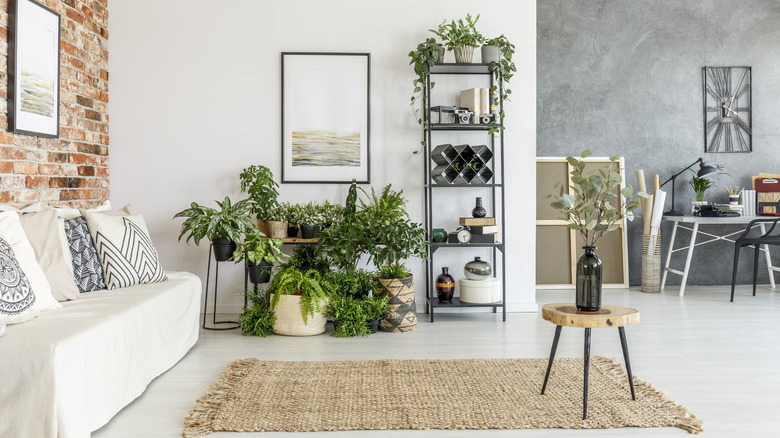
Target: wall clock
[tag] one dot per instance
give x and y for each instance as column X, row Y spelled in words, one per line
column 728, row 109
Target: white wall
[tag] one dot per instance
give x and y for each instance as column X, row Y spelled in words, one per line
column 195, row 98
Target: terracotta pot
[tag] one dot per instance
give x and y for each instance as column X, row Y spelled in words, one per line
column 289, row 320
column 403, row 309
column 277, row 229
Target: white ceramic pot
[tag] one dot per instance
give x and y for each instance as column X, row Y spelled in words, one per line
column 464, row 54
column 289, row 320
column 480, row 291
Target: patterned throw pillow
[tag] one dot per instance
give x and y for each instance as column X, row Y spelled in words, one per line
column 86, row 268
column 125, row 250
column 16, row 295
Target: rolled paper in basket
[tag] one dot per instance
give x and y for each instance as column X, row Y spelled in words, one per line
column 656, row 188
column 647, row 216
column 658, row 212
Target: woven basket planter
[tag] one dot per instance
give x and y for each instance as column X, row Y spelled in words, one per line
column 277, row 229
column 651, row 263
column 403, row 309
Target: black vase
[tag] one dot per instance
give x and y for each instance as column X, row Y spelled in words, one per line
column 307, row 232
column 260, row 273
column 479, row 210
column 223, row 249
column 445, row 285
column 589, row 281
column 292, row 231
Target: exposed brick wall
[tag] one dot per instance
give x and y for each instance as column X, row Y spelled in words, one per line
column 73, row 169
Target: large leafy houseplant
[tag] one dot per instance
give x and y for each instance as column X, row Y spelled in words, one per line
column 592, row 207
column 230, row 221
column 348, row 242
column 258, row 182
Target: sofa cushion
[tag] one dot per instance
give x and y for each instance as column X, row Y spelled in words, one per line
column 87, row 271
column 42, row 231
column 24, row 290
column 124, row 249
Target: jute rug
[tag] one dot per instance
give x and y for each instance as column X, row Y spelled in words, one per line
column 256, row 395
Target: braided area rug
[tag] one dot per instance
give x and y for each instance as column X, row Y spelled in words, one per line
column 257, row 395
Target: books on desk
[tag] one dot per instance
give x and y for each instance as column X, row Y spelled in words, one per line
column 748, row 199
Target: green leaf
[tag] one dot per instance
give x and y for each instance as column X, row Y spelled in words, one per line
column 573, row 161
column 586, row 153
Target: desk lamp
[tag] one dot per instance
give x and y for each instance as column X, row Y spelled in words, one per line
column 704, row 169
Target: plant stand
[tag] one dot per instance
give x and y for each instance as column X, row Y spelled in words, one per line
column 214, row 321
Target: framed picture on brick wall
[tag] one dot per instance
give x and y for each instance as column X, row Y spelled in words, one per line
column 33, row 69
column 325, row 117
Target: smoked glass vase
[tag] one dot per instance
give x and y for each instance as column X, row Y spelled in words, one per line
column 589, row 281
column 445, row 285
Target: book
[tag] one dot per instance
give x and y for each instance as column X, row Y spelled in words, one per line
column 471, row 99
column 484, row 101
column 475, row 238
column 484, row 229
column 477, row 221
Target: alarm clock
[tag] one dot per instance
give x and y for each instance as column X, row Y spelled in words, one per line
column 464, row 234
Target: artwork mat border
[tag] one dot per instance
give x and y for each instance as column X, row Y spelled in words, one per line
column 366, row 178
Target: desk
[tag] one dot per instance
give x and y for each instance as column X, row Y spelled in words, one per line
column 566, row 314
column 684, row 222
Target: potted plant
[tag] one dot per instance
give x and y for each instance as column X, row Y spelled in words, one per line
column 498, row 52
column 357, row 283
column 593, row 209
column 460, row 37
column 348, row 242
column 258, row 182
column 376, row 308
column 332, row 214
column 427, row 53
column 294, row 212
column 257, row 318
column 298, row 302
column 223, row 227
column 310, row 217
column 260, row 254
column 396, row 239
column 276, row 220
column 348, row 316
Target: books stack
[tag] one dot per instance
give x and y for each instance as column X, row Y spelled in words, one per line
column 483, row 229
column 729, row 208
column 748, row 200
column 477, row 100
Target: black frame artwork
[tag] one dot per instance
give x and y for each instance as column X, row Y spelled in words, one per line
column 728, row 109
column 326, row 109
column 33, row 69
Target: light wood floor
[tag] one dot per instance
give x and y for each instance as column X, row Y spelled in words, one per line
column 721, row 360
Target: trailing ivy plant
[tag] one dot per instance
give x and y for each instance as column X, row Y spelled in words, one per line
column 503, row 69
column 423, row 58
column 592, row 207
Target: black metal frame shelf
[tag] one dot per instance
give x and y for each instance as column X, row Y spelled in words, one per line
column 495, row 188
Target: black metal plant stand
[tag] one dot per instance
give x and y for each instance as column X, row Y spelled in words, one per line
column 214, row 321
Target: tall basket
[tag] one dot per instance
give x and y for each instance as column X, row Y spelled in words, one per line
column 651, row 263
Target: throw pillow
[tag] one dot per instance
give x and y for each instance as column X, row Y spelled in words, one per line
column 87, row 271
column 24, row 290
column 42, row 232
column 125, row 250
column 72, row 213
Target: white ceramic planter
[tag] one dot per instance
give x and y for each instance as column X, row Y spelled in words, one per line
column 480, row 291
column 289, row 320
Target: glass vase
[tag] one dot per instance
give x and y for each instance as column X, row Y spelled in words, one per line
column 445, row 285
column 589, row 281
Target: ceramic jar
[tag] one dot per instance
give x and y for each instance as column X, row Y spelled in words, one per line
column 477, row 269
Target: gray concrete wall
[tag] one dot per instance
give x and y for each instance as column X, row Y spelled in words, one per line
column 623, row 77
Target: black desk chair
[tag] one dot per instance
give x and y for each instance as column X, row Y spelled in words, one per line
column 743, row 240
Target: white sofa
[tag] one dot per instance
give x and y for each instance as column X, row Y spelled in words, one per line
column 65, row 373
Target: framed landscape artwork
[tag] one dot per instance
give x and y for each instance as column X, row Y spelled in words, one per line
column 34, row 69
column 325, row 117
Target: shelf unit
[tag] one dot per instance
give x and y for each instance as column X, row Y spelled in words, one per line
column 434, row 189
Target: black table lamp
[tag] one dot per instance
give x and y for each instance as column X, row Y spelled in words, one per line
column 704, row 169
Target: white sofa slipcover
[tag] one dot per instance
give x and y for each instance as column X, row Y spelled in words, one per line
column 68, row 371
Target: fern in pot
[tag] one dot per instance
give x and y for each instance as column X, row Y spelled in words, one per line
column 298, row 301
column 593, row 208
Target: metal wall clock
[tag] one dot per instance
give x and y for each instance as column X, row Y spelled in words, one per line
column 728, row 109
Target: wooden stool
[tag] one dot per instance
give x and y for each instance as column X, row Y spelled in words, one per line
column 566, row 314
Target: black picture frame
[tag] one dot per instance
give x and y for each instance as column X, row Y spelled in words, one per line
column 326, row 117
column 727, row 94
column 33, row 69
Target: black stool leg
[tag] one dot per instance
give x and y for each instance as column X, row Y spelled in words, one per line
column 624, row 344
column 552, row 355
column 585, row 383
column 734, row 272
column 755, row 268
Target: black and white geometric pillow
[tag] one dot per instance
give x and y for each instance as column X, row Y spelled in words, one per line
column 16, row 294
column 86, row 267
column 125, row 250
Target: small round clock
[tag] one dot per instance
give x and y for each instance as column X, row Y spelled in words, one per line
column 464, row 234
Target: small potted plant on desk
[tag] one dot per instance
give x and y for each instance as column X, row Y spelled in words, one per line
column 260, row 254
column 593, row 208
column 700, row 184
column 223, row 227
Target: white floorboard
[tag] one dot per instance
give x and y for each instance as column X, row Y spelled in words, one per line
column 721, row 360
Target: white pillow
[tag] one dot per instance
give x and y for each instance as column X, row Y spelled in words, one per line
column 34, row 208
column 24, row 290
column 124, row 249
column 72, row 213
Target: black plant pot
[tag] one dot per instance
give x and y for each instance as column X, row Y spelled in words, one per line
column 292, row 231
column 373, row 325
column 260, row 273
column 307, row 232
column 223, row 249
